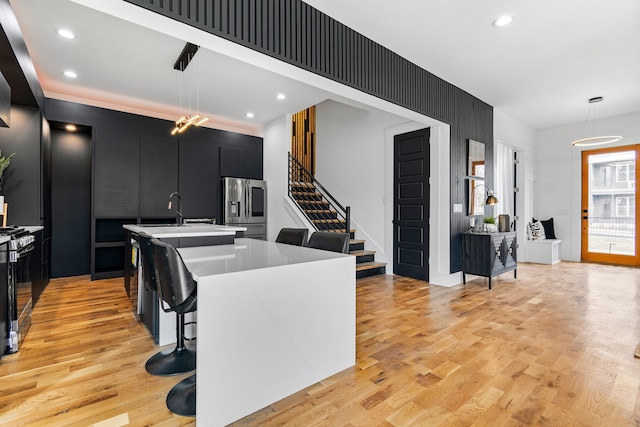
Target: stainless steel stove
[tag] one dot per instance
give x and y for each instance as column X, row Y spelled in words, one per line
column 20, row 299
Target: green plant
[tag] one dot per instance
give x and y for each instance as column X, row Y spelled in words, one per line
column 4, row 164
column 489, row 220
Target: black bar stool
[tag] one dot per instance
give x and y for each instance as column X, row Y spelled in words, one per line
column 330, row 241
column 180, row 359
column 178, row 289
column 293, row 236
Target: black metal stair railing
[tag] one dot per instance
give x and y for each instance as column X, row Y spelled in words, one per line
column 319, row 206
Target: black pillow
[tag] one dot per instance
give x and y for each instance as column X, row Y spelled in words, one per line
column 548, row 228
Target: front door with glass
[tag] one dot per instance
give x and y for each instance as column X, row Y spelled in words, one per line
column 609, row 212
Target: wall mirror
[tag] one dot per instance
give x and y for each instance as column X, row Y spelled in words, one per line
column 475, row 163
column 476, row 173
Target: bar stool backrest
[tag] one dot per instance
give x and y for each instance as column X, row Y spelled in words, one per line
column 293, row 236
column 330, row 241
column 175, row 283
column 146, row 256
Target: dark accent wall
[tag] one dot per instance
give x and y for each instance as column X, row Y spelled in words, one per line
column 22, row 184
column 294, row 32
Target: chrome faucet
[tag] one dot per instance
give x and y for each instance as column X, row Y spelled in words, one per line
column 179, row 217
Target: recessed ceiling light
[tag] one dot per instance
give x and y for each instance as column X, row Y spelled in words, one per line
column 67, row 34
column 503, row 21
column 70, row 74
column 71, row 128
column 281, row 96
column 250, row 115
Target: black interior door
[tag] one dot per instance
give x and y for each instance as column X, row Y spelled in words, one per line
column 411, row 205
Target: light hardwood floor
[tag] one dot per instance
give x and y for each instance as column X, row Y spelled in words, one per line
column 554, row 347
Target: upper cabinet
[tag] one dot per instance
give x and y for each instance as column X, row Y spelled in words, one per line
column 241, row 161
column 116, row 173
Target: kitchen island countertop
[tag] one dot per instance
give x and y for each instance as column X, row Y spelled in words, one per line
column 186, row 230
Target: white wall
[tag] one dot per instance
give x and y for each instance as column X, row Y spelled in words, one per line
column 350, row 158
column 559, row 175
column 276, row 145
column 522, row 138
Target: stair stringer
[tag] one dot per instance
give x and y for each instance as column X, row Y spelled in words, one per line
column 380, row 256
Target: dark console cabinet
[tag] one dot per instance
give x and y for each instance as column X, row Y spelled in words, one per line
column 489, row 254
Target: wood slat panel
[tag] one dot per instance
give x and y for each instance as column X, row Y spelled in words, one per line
column 303, row 147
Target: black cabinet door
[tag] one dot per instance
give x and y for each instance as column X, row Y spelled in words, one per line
column 158, row 175
column 199, row 179
column 244, row 161
column 116, row 175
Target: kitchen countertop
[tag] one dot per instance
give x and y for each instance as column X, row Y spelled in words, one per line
column 248, row 254
column 187, row 230
column 32, row 228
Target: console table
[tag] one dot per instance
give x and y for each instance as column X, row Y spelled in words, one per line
column 488, row 254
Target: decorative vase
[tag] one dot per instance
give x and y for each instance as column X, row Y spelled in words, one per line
column 491, row 228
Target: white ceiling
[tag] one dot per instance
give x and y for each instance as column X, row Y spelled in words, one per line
column 541, row 70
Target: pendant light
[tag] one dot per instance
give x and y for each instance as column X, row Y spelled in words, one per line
column 594, row 140
column 187, row 120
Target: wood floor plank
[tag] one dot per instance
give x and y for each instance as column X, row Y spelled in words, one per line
column 553, row 347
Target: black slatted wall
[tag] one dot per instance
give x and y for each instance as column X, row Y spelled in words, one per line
column 294, row 32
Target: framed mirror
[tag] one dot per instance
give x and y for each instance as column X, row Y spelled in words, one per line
column 475, row 159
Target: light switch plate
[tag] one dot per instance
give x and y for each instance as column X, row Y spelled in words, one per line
column 457, row 207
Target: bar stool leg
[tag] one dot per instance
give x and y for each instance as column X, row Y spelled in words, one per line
column 176, row 361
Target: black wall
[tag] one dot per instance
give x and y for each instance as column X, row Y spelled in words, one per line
column 22, row 184
column 294, row 32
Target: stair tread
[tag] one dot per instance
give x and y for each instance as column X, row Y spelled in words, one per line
column 370, row 265
column 356, row 241
column 328, row 220
column 362, row 252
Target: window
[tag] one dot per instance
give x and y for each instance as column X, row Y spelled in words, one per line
column 625, row 206
column 625, row 172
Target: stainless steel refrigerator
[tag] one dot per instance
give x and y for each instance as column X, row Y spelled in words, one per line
column 244, row 203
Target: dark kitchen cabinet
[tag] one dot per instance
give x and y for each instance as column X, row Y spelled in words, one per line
column 241, row 162
column 489, row 254
column 158, row 175
column 37, row 262
column 116, row 173
column 199, row 179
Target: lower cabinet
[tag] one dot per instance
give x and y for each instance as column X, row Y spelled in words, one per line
column 489, row 254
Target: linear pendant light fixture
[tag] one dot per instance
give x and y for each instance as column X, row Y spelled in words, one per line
column 595, row 140
column 185, row 121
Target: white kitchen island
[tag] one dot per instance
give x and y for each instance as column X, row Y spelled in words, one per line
column 160, row 324
column 272, row 320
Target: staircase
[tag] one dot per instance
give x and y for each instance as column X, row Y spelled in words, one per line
column 327, row 215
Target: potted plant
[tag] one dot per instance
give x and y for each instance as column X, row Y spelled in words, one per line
column 4, row 164
column 490, row 224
